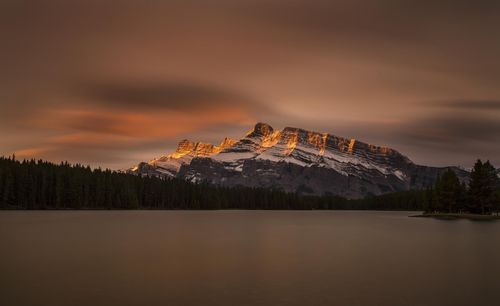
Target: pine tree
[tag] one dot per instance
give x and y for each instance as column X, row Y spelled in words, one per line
column 462, row 198
column 448, row 191
column 482, row 188
column 435, row 203
column 497, row 201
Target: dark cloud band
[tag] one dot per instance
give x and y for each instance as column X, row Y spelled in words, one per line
column 493, row 105
column 163, row 95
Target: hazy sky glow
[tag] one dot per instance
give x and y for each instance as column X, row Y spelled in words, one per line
column 111, row 83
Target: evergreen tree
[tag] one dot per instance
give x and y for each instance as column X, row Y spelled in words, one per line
column 482, row 188
column 462, row 198
column 497, row 201
column 430, row 200
column 493, row 185
column 436, row 204
column 448, row 190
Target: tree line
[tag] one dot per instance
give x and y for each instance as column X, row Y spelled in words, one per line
column 37, row 184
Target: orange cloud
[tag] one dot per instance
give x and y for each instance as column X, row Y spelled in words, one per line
column 32, row 152
column 148, row 124
column 99, row 129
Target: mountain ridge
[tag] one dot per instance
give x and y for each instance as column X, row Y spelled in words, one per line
column 295, row 160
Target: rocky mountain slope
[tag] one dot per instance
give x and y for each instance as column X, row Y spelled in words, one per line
column 295, row 160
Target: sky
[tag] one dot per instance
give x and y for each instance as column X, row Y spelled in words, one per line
column 111, row 83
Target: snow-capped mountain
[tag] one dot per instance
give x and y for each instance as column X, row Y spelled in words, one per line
column 295, row 160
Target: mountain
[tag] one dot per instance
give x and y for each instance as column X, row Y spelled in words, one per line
column 295, row 160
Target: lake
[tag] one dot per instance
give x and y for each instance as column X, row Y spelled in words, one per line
column 242, row 258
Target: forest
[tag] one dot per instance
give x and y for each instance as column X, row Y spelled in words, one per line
column 37, row 184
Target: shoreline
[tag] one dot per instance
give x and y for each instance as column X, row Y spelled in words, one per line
column 457, row 216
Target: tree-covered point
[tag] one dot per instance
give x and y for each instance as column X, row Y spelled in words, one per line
column 482, row 196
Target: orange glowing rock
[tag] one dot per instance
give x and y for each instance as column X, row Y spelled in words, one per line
column 385, row 150
column 226, row 143
column 186, row 147
column 291, row 141
column 351, row 146
column 204, row 149
column 318, row 140
column 271, row 139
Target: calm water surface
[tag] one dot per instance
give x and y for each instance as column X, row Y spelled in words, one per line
column 242, row 258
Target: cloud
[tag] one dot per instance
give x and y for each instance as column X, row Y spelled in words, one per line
column 493, row 105
column 458, row 134
column 130, row 121
column 164, row 95
column 452, row 131
column 124, row 78
column 150, row 123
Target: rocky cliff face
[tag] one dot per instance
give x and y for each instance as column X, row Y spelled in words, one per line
column 169, row 165
column 295, row 160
